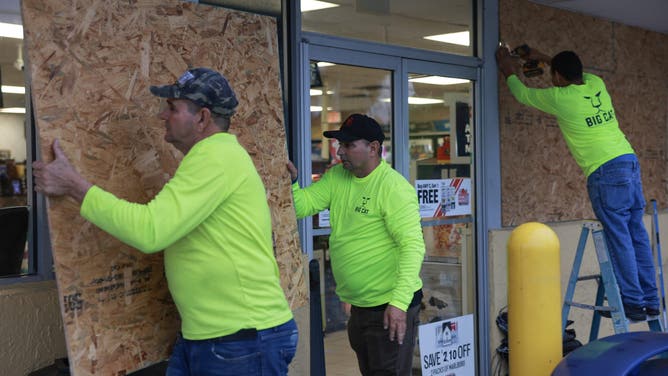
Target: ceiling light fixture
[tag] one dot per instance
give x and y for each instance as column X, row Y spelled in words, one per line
column 316, row 92
column 13, row 89
column 8, row 30
column 309, row 5
column 418, row 100
column 439, row 80
column 13, row 110
column 319, row 108
column 461, row 38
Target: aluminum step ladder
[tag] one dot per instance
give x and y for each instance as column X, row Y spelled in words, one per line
column 607, row 286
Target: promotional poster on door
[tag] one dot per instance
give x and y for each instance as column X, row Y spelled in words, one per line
column 447, row 347
column 444, row 197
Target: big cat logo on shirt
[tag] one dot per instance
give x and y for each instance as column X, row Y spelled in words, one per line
column 362, row 208
column 601, row 116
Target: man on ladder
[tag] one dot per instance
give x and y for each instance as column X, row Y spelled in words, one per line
column 588, row 123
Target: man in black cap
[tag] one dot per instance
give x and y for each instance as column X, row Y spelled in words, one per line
column 213, row 222
column 376, row 245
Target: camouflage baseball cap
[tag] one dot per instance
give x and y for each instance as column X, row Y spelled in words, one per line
column 205, row 87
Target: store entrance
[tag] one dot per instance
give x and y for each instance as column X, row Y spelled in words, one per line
column 426, row 111
column 336, row 92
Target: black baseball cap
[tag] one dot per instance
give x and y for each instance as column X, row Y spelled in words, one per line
column 204, row 87
column 357, row 127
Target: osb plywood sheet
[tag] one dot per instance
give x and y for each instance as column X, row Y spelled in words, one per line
column 91, row 63
column 540, row 179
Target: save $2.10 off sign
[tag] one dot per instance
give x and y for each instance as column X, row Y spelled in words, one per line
column 447, row 347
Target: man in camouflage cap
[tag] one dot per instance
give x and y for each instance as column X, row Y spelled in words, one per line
column 213, row 222
column 199, row 89
column 203, row 86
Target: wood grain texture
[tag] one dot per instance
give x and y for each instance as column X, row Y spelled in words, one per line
column 90, row 65
column 540, row 180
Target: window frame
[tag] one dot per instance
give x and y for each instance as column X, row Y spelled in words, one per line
column 40, row 259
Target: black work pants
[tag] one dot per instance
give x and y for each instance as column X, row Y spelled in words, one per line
column 376, row 354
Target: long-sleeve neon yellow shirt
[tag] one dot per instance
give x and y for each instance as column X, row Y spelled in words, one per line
column 213, row 221
column 376, row 244
column 585, row 116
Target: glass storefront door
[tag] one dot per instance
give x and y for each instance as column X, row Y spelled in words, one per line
column 336, row 92
column 425, row 110
column 440, row 142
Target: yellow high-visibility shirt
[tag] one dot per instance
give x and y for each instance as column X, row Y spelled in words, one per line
column 376, row 244
column 585, row 116
column 213, row 221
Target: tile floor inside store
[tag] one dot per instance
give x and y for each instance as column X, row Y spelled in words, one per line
column 340, row 359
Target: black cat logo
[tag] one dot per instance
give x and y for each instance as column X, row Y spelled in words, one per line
column 595, row 101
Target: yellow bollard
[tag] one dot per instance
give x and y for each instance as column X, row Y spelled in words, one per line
column 534, row 300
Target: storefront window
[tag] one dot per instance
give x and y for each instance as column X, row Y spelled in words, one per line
column 425, row 24
column 14, row 255
column 440, row 147
column 440, row 129
column 432, row 107
column 337, row 91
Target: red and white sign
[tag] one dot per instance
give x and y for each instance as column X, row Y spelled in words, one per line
column 444, row 197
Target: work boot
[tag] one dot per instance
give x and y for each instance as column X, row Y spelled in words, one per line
column 652, row 311
column 633, row 313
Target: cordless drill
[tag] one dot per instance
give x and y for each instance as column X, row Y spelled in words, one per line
column 530, row 68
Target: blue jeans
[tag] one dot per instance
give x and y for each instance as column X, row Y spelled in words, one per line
column 616, row 195
column 267, row 354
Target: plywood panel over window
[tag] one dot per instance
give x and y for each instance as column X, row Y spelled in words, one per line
column 540, row 180
column 91, row 63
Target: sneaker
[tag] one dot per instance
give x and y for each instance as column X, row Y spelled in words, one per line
column 652, row 311
column 633, row 313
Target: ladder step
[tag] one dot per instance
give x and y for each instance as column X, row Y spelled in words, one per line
column 588, row 306
column 654, row 324
column 607, row 284
column 588, row 277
